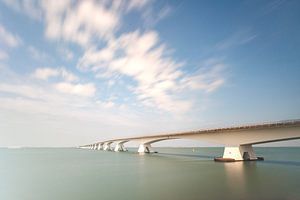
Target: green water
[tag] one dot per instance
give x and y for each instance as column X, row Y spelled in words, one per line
column 173, row 173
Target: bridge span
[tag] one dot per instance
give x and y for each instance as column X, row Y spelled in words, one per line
column 238, row 140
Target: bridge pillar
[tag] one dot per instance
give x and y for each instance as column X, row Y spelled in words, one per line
column 145, row 148
column 120, row 147
column 100, row 147
column 107, row 147
column 240, row 153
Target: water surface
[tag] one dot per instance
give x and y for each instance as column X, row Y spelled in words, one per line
column 173, row 173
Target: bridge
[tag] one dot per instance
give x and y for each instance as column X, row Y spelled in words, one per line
column 238, row 140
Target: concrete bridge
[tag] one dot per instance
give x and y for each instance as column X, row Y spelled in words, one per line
column 237, row 140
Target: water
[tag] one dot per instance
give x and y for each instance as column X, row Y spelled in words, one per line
column 173, row 173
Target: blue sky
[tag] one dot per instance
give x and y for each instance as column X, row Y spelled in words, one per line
column 74, row 72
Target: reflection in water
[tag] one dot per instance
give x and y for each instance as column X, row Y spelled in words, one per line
column 238, row 176
column 235, row 177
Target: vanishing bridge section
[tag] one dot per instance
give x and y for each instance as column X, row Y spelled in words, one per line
column 237, row 140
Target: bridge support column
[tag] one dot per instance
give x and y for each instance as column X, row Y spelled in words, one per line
column 145, row 148
column 100, row 146
column 120, row 147
column 240, row 153
column 106, row 147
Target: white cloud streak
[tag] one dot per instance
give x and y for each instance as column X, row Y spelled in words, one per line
column 86, row 90
column 9, row 39
column 66, row 53
column 160, row 80
column 3, row 55
column 46, row 73
column 78, row 23
column 28, row 7
column 238, row 38
column 157, row 78
column 37, row 54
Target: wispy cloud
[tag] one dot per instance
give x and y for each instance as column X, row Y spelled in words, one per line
column 9, row 39
column 46, row 73
column 28, row 7
column 137, row 4
column 80, row 22
column 66, row 53
column 68, row 83
column 273, row 5
column 156, row 77
column 208, row 78
column 88, row 89
column 76, row 100
column 142, row 57
column 151, row 17
column 37, row 54
column 238, row 38
column 3, row 55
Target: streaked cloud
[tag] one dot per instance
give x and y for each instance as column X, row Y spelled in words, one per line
column 79, row 22
column 66, row 53
column 79, row 89
column 3, row 55
column 37, row 54
column 29, row 7
column 9, row 39
column 87, row 89
column 159, row 78
column 136, row 4
column 238, row 38
column 46, row 73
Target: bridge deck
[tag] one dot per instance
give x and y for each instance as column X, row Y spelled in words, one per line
column 280, row 124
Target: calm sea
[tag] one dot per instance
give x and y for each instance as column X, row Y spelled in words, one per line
column 173, row 173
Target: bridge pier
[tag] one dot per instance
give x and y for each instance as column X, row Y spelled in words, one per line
column 238, row 153
column 107, row 147
column 100, row 146
column 145, row 148
column 120, row 147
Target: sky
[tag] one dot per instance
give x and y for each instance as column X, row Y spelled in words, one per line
column 77, row 72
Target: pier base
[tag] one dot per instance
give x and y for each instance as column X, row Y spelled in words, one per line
column 100, row 147
column 107, row 147
column 240, row 153
column 120, row 147
column 145, row 148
